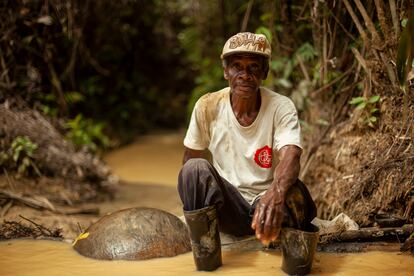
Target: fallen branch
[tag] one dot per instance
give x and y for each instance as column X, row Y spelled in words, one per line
column 14, row 229
column 80, row 211
column 376, row 234
column 45, row 231
column 6, row 207
column 44, row 203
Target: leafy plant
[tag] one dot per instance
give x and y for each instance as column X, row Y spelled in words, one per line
column 49, row 111
column 369, row 109
column 264, row 31
column 284, row 66
column 306, row 51
column 86, row 133
column 20, row 155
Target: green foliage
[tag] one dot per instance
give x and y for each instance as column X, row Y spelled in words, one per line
column 265, row 31
column 20, row 156
column 369, row 108
column 203, row 50
column 48, row 110
column 73, row 97
column 85, row 133
column 284, row 67
column 307, row 52
column 47, row 104
column 21, row 147
column 136, row 65
column 112, row 61
column 209, row 80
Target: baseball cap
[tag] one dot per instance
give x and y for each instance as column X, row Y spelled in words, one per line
column 247, row 43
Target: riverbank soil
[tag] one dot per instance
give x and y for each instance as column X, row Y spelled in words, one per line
column 364, row 170
column 148, row 170
column 127, row 195
column 45, row 180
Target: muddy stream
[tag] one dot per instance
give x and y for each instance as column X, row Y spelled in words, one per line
column 149, row 168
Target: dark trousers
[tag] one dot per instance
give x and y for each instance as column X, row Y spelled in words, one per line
column 200, row 185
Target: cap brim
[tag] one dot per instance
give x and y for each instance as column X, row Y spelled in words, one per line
column 222, row 56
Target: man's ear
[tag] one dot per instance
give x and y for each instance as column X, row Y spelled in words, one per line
column 225, row 73
column 265, row 73
column 265, row 69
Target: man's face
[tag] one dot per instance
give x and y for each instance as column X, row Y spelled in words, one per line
column 244, row 73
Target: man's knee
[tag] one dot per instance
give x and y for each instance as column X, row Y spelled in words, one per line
column 191, row 171
column 300, row 205
column 197, row 185
column 195, row 164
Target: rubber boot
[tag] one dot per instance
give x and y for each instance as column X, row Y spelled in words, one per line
column 298, row 249
column 205, row 238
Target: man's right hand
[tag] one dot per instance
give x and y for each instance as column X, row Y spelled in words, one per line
column 268, row 216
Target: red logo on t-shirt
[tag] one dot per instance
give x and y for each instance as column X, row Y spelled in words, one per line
column 263, row 157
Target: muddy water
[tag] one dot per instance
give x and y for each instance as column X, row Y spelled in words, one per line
column 152, row 159
column 156, row 159
column 56, row 258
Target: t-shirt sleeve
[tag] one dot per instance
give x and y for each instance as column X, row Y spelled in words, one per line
column 197, row 133
column 287, row 127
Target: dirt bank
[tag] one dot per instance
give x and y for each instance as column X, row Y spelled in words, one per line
column 148, row 169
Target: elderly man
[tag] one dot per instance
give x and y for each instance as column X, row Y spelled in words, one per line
column 253, row 135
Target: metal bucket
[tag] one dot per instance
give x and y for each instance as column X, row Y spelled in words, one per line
column 298, row 249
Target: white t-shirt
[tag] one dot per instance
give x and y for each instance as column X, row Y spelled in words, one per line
column 244, row 156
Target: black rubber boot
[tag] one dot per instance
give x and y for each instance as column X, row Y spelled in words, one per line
column 298, row 249
column 205, row 238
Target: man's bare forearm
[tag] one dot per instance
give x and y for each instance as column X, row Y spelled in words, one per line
column 268, row 216
column 287, row 171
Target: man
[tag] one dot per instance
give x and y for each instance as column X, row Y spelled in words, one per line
column 253, row 135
